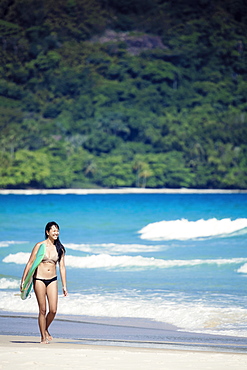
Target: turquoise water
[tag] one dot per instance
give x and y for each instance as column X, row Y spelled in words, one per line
column 179, row 259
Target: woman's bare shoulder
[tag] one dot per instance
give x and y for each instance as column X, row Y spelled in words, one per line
column 37, row 245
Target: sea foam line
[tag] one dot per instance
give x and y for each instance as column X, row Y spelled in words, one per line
column 184, row 229
column 139, row 262
column 9, row 283
column 7, row 243
column 113, row 248
column 191, row 315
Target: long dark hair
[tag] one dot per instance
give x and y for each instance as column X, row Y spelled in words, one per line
column 58, row 244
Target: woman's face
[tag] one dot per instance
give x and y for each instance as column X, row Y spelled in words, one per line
column 53, row 233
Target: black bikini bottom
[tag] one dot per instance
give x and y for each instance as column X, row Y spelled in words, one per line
column 47, row 281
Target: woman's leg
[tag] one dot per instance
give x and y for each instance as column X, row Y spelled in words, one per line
column 40, row 292
column 52, row 296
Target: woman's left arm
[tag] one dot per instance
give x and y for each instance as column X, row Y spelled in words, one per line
column 63, row 275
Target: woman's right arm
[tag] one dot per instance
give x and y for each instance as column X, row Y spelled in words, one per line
column 29, row 264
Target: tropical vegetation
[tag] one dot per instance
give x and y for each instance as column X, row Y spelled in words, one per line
column 123, row 93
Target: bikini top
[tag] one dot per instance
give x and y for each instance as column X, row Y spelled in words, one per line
column 53, row 258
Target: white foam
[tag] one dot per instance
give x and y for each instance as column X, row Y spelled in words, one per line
column 9, row 283
column 137, row 262
column 183, row 312
column 185, row 230
column 191, row 316
column 113, row 248
column 243, row 269
column 107, row 261
column 20, row 258
column 11, row 301
column 7, row 243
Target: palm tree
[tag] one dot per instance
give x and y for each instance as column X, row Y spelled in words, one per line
column 143, row 171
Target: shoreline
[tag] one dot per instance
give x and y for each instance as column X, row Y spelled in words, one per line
column 131, row 345
column 120, row 191
column 121, row 332
column 25, row 351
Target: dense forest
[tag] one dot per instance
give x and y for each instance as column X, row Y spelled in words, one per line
column 123, row 93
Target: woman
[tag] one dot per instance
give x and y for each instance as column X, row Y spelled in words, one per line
column 45, row 278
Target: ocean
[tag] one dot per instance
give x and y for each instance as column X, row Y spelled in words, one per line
column 174, row 261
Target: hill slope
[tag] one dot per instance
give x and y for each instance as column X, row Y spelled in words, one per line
column 123, row 93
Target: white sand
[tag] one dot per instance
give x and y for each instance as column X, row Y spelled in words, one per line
column 120, row 191
column 26, row 352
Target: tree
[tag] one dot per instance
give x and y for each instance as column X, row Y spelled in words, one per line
column 26, row 168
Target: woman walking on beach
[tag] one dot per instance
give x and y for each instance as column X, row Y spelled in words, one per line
column 45, row 278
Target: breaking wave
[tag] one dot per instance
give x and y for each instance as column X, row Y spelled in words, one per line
column 107, row 261
column 185, row 313
column 113, row 248
column 185, row 230
column 243, row 269
column 9, row 283
column 7, row 243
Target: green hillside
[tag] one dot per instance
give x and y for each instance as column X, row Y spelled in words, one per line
column 123, row 93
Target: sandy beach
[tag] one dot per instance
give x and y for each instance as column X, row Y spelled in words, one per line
column 21, row 352
column 120, row 191
column 20, row 347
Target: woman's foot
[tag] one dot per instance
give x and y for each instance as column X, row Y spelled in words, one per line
column 48, row 336
column 45, row 341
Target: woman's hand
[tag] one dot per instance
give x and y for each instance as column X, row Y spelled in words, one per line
column 65, row 292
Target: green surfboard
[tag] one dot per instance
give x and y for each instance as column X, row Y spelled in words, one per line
column 28, row 282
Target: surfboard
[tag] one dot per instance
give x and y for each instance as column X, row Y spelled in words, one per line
column 28, row 282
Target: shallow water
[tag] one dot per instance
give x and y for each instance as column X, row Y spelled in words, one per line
column 179, row 259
